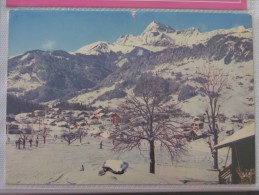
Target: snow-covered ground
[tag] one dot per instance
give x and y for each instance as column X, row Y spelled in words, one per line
column 58, row 163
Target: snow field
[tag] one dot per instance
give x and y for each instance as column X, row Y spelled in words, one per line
column 57, row 163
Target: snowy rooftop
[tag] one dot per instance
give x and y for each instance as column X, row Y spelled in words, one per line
column 247, row 132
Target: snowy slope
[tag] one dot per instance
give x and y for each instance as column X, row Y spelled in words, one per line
column 102, row 47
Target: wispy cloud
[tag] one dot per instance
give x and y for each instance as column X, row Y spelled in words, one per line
column 49, row 45
column 203, row 27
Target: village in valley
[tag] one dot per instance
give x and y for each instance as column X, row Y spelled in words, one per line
column 53, row 123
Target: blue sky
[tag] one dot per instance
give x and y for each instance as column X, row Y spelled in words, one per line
column 70, row 30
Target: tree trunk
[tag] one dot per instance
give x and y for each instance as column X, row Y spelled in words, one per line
column 80, row 139
column 213, row 107
column 152, row 157
column 215, row 152
column 44, row 138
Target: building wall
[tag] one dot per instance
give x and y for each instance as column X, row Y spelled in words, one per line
column 243, row 156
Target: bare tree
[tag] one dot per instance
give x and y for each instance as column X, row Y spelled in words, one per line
column 212, row 81
column 44, row 133
column 149, row 121
column 81, row 131
column 69, row 137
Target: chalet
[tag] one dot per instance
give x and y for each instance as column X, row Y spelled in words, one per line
column 26, row 131
column 56, row 110
column 221, row 118
column 93, row 117
column 79, row 119
column 10, row 117
column 162, row 116
column 25, row 120
column 101, row 127
column 199, row 119
column 94, row 120
column 98, row 111
column 137, row 121
column 124, row 127
column 50, row 122
column 195, row 134
column 38, row 113
column 236, row 120
column 61, row 124
column 116, row 119
column 248, row 120
column 14, row 131
column 186, row 127
column 12, row 128
column 197, row 125
column 100, row 115
column 83, row 114
column 241, row 169
column 58, row 119
column 83, row 124
column 68, row 118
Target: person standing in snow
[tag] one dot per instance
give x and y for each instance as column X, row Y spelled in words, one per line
column 16, row 143
column 23, row 143
column 30, row 141
column 82, row 168
column 19, row 144
column 101, row 145
column 37, row 142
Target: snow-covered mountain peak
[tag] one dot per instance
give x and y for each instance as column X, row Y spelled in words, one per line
column 102, row 47
column 158, row 27
column 189, row 31
column 239, row 28
column 95, row 48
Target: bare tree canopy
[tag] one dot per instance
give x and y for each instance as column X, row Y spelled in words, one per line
column 69, row 137
column 81, row 131
column 149, row 85
column 44, row 133
column 212, row 81
column 149, row 121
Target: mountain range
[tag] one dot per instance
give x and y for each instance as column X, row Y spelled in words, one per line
column 104, row 71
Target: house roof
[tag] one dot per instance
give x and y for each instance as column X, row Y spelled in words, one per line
column 98, row 111
column 93, row 117
column 197, row 132
column 100, row 114
column 114, row 114
column 38, row 111
column 247, row 132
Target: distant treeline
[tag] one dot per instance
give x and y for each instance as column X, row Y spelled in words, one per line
column 64, row 105
column 16, row 105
